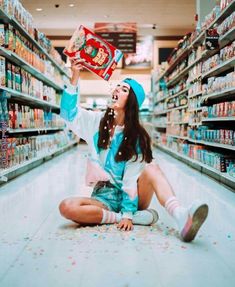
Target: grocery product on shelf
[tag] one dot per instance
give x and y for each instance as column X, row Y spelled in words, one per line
column 23, row 149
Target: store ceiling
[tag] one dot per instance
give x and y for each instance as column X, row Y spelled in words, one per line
column 171, row 17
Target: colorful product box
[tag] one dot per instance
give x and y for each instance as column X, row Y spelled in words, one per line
column 2, row 35
column 99, row 56
column 2, row 71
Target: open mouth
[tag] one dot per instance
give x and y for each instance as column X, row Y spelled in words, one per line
column 114, row 98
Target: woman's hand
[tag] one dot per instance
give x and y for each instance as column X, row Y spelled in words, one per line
column 125, row 224
column 76, row 67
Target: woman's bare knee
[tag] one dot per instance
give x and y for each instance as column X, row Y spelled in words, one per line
column 151, row 171
column 67, row 206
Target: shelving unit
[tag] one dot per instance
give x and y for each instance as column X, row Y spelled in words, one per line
column 224, row 146
column 178, row 108
column 220, row 68
column 26, row 166
column 198, row 99
column 34, row 102
column 212, row 172
column 30, row 69
column 9, row 96
column 178, row 94
column 177, row 137
column 219, row 95
column 221, row 119
column 38, row 130
column 160, row 113
column 10, row 20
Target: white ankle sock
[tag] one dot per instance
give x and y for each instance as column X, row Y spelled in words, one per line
column 110, row 217
column 179, row 213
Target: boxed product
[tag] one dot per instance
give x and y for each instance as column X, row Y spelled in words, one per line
column 99, row 56
column 9, row 75
column 2, row 35
column 2, row 71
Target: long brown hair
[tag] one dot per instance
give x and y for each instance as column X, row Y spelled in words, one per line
column 135, row 137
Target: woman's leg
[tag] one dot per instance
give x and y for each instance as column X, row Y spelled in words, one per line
column 152, row 180
column 189, row 220
column 89, row 211
column 83, row 210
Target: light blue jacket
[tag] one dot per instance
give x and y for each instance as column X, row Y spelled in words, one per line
column 102, row 164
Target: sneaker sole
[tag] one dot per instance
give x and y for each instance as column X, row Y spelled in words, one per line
column 154, row 214
column 194, row 223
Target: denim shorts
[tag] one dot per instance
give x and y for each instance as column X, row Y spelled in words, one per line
column 108, row 194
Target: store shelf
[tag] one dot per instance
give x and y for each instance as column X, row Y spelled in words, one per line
column 195, row 124
column 178, row 94
column 178, row 77
column 161, row 100
column 224, row 14
column 160, row 77
column 220, row 176
column 23, row 64
column 183, row 54
column 178, row 108
column 177, row 123
column 221, row 119
column 219, row 95
column 224, row 40
column 197, row 40
column 177, row 137
column 25, row 98
column 196, row 78
column 195, row 95
column 160, row 126
column 4, row 18
column 195, row 110
column 224, row 146
column 227, row 38
column 180, row 123
column 173, row 65
column 17, row 25
column 14, row 131
column 14, row 171
column 160, row 113
column 220, row 68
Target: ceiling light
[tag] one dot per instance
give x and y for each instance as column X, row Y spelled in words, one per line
column 39, row 9
column 71, row 5
column 154, row 27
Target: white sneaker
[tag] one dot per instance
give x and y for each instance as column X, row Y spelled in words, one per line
column 196, row 216
column 145, row 217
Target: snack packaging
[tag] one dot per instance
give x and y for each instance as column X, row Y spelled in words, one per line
column 99, row 56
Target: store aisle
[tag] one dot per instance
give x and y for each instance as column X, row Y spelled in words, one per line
column 40, row 248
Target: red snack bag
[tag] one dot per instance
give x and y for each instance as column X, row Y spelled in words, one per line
column 100, row 57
